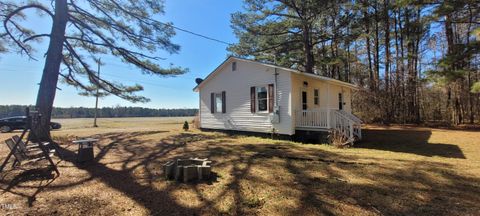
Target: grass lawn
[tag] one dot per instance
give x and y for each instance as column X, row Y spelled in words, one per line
column 393, row 171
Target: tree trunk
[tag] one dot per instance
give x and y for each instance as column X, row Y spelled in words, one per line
column 307, row 43
column 395, row 105
column 347, row 63
column 450, row 43
column 387, row 46
column 469, row 75
column 367, row 41
column 332, row 55
column 411, row 73
column 324, row 55
column 417, row 38
column 377, row 47
column 48, row 84
column 387, row 62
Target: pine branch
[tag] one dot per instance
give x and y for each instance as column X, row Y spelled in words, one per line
column 23, row 47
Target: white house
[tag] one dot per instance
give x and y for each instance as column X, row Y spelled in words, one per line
column 245, row 95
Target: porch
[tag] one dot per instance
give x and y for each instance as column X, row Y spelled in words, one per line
column 323, row 119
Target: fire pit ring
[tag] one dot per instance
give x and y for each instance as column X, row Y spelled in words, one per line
column 188, row 169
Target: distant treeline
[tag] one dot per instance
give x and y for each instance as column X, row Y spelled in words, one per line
column 105, row 112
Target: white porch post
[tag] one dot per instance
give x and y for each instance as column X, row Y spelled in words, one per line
column 328, row 106
column 350, row 125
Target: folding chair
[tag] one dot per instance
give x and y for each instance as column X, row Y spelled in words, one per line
column 21, row 156
column 21, row 151
column 31, row 147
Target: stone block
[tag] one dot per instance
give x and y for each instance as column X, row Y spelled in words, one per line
column 168, row 169
column 178, row 173
column 183, row 162
column 204, row 172
column 188, row 169
column 190, row 173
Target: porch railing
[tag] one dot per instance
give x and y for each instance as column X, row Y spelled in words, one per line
column 315, row 118
column 346, row 123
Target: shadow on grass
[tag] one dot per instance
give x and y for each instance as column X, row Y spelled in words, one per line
column 139, row 156
column 263, row 178
column 44, row 176
column 408, row 141
column 324, row 183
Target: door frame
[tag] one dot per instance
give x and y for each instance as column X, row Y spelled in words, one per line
column 304, row 104
column 340, row 100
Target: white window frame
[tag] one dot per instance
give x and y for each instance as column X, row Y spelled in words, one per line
column 257, row 104
column 218, row 109
column 234, row 66
column 316, row 98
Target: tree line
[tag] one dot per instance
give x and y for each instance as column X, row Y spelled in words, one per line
column 414, row 61
column 105, row 112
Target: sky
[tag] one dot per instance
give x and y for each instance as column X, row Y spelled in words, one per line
column 19, row 76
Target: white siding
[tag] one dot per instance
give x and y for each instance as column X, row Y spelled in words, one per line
column 237, row 85
column 328, row 94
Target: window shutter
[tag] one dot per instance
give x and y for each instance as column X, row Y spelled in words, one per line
column 252, row 99
column 212, row 102
column 271, row 97
column 224, row 105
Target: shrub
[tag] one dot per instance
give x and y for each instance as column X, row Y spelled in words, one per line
column 185, row 126
column 338, row 139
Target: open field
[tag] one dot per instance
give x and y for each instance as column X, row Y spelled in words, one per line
column 83, row 126
column 394, row 171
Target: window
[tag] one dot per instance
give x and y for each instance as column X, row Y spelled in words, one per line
column 262, row 99
column 315, row 96
column 234, row 66
column 218, row 103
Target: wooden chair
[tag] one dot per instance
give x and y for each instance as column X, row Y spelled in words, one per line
column 23, row 153
column 31, row 147
column 22, row 156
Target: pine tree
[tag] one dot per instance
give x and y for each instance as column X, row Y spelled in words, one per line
column 280, row 31
column 185, row 126
column 394, row 50
column 82, row 31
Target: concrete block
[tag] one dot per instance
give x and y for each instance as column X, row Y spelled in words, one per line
column 188, row 169
column 190, row 173
column 182, row 162
column 178, row 173
column 197, row 161
column 204, row 172
column 168, row 169
column 206, row 163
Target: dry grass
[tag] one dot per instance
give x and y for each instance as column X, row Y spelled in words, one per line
column 394, row 171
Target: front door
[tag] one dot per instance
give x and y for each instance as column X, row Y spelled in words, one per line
column 304, row 100
column 340, row 101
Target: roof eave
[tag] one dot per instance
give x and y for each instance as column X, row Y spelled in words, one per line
column 338, row 82
column 346, row 84
column 197, row 88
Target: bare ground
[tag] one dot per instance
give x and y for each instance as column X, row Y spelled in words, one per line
column 394, row 171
